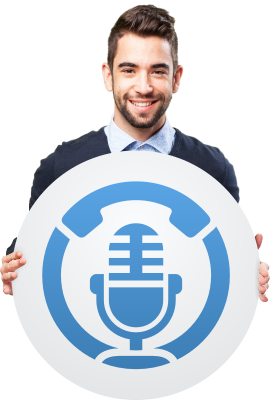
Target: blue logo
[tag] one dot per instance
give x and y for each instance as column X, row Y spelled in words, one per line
column 136, row 298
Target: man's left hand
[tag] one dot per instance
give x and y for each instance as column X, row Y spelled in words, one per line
column 263, row 273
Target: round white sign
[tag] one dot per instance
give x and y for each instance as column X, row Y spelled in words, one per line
column 141, row 275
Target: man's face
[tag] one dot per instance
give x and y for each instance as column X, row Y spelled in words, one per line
column 142, row 73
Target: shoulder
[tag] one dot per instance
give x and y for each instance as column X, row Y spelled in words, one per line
column 92, row 139
column 73, row 152
column 67, row 151
column 81, row 141
column 208, row 158
column 194, row 147
column 66, row 156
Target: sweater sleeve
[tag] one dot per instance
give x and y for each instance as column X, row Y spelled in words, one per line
column 43, row 177
column 230, row 181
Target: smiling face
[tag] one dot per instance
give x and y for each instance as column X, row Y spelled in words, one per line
column 142, row 82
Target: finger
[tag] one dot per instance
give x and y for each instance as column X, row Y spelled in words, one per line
column 263, row 280
column 263, row 298
column 264, row 269
column 258, row 239
column 12, row 265
column 7, row 288
column 12, row 257
column 262, row 289
column 9, row 277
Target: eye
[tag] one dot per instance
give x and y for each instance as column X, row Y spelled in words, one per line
column 127, row 71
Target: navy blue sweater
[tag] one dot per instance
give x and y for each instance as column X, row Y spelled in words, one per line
column 94, row 144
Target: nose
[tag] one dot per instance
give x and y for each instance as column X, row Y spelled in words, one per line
column 143, row 84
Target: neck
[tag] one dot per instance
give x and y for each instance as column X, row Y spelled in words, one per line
column 137, row 133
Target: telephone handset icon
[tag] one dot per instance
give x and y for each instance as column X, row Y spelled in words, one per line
column 186, row 215
column 85, row 216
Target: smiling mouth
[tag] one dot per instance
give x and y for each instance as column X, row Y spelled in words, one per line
column 143, row 104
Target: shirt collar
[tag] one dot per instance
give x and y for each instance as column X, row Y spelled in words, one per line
column 118, row 140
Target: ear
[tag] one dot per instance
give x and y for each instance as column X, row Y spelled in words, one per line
column 177, row 78
column 107, row 76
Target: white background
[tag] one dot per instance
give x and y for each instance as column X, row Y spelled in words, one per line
column 68, row 44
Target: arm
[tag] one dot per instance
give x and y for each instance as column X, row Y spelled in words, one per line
column 230, row 181
column 43, row 177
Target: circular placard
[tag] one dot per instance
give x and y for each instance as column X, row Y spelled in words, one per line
column 141, row 274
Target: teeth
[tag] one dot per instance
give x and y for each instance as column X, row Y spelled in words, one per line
column 141, row 104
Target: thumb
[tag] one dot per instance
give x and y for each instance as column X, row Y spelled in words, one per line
column 258, row 239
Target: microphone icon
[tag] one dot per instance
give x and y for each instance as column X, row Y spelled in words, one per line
column 135, row 306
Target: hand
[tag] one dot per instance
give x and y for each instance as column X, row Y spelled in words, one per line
column 263, row 273
column 10, row 264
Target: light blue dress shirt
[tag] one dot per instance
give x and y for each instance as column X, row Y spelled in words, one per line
column 161, row 142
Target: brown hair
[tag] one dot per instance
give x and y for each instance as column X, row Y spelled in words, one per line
column 144, row 21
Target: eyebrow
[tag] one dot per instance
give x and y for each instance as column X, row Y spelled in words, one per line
column 131, row 65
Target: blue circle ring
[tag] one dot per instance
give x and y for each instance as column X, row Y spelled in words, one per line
column 186, row 215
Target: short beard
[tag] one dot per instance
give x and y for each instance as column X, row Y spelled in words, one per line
column 133, row 121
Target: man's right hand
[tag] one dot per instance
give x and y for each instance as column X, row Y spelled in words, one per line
column 10, row 264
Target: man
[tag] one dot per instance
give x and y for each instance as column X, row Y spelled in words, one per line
column 143, row 74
